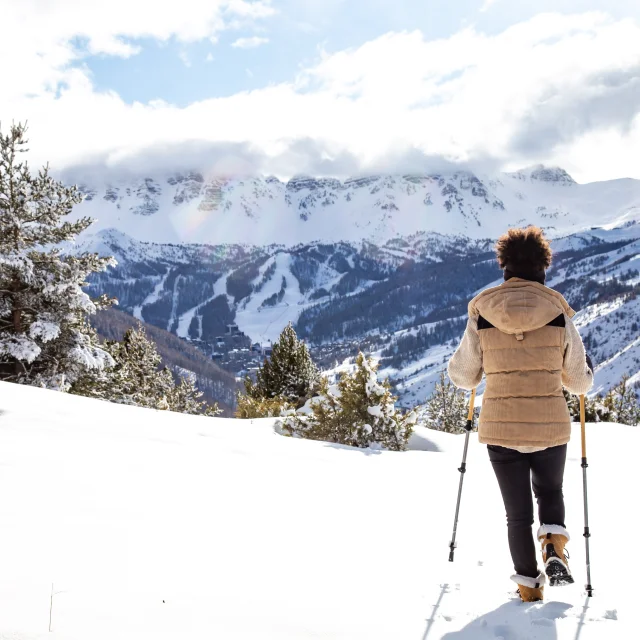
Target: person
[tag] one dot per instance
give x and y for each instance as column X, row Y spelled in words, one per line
column 521, row 336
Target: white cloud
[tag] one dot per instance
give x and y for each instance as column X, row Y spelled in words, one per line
column 250, row 9
column 209, row 57
column 35, row 46
column 487, row 5
column 184, row 56
column 556, row 88
column 249, row 43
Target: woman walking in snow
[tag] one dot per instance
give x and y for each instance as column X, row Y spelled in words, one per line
column 520, row 334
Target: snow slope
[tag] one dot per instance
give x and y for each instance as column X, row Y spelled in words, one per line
column 265, row 323
column 157, row 525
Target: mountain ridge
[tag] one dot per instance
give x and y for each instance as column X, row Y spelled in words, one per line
column 191, row 207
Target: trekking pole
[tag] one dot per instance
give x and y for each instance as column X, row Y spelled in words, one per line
column 462, row 470
column 587, row 534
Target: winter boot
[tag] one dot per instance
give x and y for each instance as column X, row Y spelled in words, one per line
column 530, row 589
column 553, row 538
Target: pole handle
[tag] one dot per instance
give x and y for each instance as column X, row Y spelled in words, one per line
column 472, row 405
column 582, row 426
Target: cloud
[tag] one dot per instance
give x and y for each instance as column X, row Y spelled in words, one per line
column 608, row 100
column 487, row 5
column 301, row 156
column 41, row 39
column 250, row 9
column 555, row 88
column 249, row 43
column 209, row 57
column 211, row 158
column 184, row 56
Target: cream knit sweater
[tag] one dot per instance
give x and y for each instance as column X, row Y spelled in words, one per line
column 465, row 366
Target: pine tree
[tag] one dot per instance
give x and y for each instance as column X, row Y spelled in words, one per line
column 185, row 397
column 44, row 335
column 135, row 379
column 594, row 408
column 447, row 409
column 289, row 373
column 359, row 411
column 622, row 403
column 249, row 407
column 138, row 379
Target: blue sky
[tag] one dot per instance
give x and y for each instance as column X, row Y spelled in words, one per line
column 331, row 87
column 180, row 72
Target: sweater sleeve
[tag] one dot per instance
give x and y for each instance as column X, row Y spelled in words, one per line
column 465, row 366
column 577, row 377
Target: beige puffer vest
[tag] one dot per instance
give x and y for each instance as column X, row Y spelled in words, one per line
column 522, row 336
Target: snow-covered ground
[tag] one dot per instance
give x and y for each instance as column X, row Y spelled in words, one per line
column 157, row 525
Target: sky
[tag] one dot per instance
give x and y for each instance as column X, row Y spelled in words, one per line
column 324, row 87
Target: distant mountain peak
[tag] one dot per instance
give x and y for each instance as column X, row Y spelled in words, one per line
column 543, row 173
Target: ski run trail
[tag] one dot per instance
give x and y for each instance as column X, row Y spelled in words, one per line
column 152, row 297
column 155, row 525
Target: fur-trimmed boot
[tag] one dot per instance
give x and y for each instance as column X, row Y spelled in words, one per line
column 553, row 538
column 530, row 589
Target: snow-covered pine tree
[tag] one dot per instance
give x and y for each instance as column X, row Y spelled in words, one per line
column 185, row 397
column 44, row 334
column 138, row 379
column 447, row 408
column 289, row 373
column 359, row 411
column 135, row 379
column 622, row 403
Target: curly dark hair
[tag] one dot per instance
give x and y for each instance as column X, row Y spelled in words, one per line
column 524, row 250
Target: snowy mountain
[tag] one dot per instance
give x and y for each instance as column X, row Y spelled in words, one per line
column 382, row 263
column 405, row 300
column 193, row 207
column 129, row 523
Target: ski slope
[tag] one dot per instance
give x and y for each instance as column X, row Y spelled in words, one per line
column 266, row 323
column 157, row 525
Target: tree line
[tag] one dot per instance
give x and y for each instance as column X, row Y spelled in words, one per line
column 46, row 338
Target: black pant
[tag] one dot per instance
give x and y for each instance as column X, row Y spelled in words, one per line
column 515, row 472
